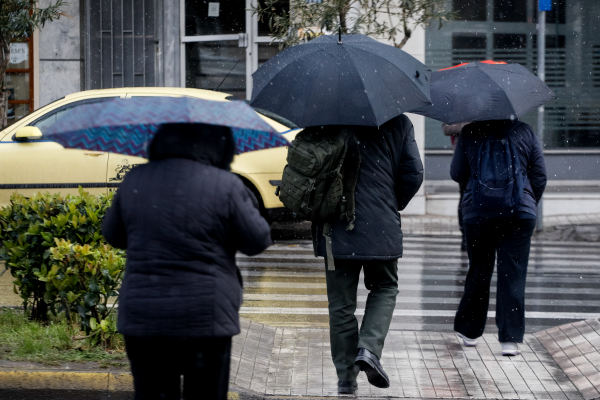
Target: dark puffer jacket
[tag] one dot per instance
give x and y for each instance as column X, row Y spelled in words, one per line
column 466, row 156
column 391, row 173
column 182, row 217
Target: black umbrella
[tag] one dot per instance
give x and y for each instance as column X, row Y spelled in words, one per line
column 350, row 80
column 484, row 91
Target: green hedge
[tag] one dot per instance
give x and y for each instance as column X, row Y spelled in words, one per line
column 54, row 249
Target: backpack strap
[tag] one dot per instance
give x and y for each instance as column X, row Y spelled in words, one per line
column 351, row 168
column 328, row 246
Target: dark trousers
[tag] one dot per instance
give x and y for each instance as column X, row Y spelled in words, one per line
column 461, row 225
column 157, row 365
column 509, row 239
column 381, row 279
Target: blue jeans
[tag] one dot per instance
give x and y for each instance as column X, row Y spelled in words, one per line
column 508, row 239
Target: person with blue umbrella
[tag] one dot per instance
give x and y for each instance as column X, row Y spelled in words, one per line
column 499, row 161
column 349, row 172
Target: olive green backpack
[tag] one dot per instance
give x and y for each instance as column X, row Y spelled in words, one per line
column 320, row 178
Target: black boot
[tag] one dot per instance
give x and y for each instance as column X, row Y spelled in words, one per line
column 347, row 387
column 369, row 363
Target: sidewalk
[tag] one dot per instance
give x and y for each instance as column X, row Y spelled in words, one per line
column 559, row 363
column 278, row 363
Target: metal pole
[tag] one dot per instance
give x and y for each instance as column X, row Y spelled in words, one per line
column 541, row 68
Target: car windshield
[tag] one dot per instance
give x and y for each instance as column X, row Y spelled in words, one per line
column 275, row 117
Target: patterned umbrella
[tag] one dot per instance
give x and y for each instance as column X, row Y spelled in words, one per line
column 126, row 126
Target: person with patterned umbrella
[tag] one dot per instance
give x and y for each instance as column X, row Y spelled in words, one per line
column 182, row 217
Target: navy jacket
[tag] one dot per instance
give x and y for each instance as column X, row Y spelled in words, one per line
column 466, row 155
column 391, row 173
column 182, row 217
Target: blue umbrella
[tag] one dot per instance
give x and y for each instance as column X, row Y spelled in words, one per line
column 126, row 126
column 483, row 91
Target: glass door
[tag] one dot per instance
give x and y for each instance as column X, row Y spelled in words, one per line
column 216, row 45
column 223, row 45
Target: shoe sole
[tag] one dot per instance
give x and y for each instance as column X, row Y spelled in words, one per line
column 351, row 392
column 374, row 377
column 463, row 337
column 511, row 353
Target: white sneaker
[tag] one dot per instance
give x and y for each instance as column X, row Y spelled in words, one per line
column 466, row 341
column 510, row 349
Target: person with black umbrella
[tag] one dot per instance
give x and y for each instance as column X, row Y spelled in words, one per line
column 500, row 162
column 354, row 88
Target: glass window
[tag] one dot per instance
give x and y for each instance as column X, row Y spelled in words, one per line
column 19, row 56
column 510, row 10
column 470, row 10
column 218, row 65
column 55, row 115
column 468, row 48
column 469, row 41
column 215, row 17
column 18, row 85
column 263, row 24
column 509, row 41
column 18, row 82
column 558, row 14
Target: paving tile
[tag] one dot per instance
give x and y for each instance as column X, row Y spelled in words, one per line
column 287, row 361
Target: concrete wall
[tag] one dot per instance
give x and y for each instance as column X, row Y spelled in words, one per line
column 60, row 61
column 170, row 50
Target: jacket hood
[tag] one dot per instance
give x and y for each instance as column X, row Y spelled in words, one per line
column 207, row 144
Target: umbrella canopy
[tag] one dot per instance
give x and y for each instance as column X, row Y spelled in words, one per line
column 484, row 91
column 126, row 126
column 355, row 81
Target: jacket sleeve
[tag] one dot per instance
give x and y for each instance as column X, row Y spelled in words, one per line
column 459, row 168
column 250, row 231
column 113, row 227
column 409, row 176
column 536, row 168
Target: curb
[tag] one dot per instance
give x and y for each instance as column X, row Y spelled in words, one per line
column 60, row 385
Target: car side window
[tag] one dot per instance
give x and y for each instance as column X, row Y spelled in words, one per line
column 47, row 120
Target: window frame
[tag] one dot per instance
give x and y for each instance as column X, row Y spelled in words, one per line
column 29, row 71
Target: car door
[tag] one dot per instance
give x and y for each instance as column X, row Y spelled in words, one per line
column 33, row 166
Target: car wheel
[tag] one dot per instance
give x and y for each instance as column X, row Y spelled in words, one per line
column 261, row 204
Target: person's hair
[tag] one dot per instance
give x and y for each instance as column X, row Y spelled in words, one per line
column 199, row 142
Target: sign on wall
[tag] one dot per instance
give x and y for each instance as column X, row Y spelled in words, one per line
column 19, row 52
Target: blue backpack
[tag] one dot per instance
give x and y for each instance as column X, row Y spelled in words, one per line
column 500, row 180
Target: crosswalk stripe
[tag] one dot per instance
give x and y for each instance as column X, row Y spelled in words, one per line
column 412, row 277
column 424, row 288
column 286, row 284
column 412, row 313
column 413, row 300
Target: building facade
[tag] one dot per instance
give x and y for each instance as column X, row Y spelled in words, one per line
column 217, row 45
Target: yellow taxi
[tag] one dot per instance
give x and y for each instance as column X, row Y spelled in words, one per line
column 31, row 164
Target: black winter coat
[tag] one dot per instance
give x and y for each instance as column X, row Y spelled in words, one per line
column 182, row 217
column 391, row 173
column 466, row 156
